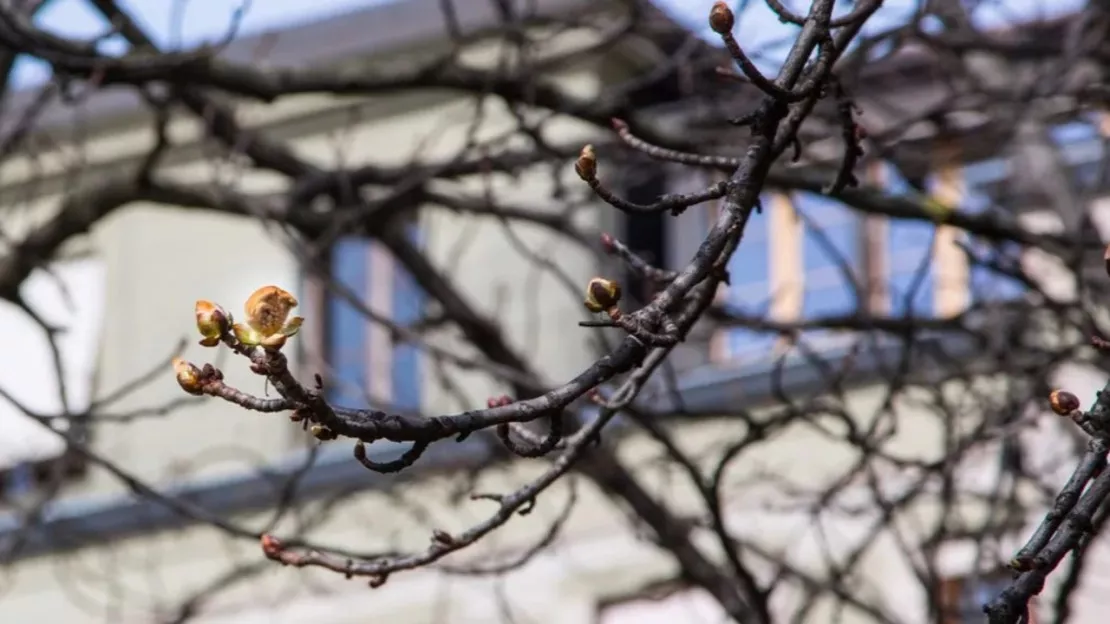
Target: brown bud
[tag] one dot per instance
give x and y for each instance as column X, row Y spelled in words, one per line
column 602, row 294
column 499, row 401
column 271, row 546
column 188, row 376
column 586, row 165
column 721, row 19
column 1063, row 402
column 442, row 537
column 607, row 242
column 212, row 322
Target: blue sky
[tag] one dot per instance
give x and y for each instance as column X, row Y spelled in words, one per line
column 182, row 23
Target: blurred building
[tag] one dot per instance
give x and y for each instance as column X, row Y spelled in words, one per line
column 125, row 290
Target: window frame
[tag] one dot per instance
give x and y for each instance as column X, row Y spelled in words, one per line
column 881, row 263
column 404, row 391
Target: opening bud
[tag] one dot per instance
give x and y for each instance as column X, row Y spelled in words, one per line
column 212, row 322
column 1063, row 402
column 268, row 310
column 188, row 376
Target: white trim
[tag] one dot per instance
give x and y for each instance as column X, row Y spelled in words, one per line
column 951, row 268
column 785, row 258
column 379, row 347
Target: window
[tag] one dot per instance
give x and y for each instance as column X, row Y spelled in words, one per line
column 367, row 365
column 831, row 255
column 990, row 283
column 909, row 247
column 809, row 256
column 833, row 261
column 749, row 290
column 1024, row 186
column 929, row 273
column 646, row 234
column 71, row 296
column 961, row 598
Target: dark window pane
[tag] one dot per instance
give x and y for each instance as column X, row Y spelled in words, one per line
column 910, row 245
column 408, row 304
column 987, row 283
column 645, row 234
column 831, row 252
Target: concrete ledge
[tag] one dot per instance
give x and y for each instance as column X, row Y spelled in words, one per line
column 77, row 522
